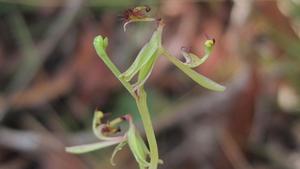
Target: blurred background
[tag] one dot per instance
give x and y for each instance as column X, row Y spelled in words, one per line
column 51, row 81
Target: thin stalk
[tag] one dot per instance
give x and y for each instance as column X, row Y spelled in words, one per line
column 103, row 55
column 117, row 73
column 141, row 102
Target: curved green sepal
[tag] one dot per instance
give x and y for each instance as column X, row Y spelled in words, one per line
column 90, row 147
column 136, row 146
column 198, row 78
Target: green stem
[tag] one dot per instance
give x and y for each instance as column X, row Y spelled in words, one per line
column 141, row 102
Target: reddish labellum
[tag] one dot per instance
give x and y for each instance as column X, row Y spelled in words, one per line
column 136, row 13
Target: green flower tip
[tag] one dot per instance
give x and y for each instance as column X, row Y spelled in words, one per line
column 209, row 43
column 99, row 41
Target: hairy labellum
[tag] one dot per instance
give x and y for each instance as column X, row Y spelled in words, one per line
column 139, row 12
column 136, row 14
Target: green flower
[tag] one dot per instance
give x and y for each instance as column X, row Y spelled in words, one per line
column 103, row 132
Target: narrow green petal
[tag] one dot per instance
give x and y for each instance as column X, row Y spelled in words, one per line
column 145, row 72
column 136, row 147
column 90, row 147
column 200, row 79
column 192, row 60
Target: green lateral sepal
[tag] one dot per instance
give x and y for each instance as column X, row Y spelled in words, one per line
column 137, row 146
column 91, row 147
column 198, row 78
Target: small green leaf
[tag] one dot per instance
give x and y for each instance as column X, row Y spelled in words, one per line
column 90, row 147
column 116, row 150
column 200, row 79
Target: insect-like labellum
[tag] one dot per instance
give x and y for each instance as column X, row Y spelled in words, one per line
column 139, row 12
column 136, row 14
